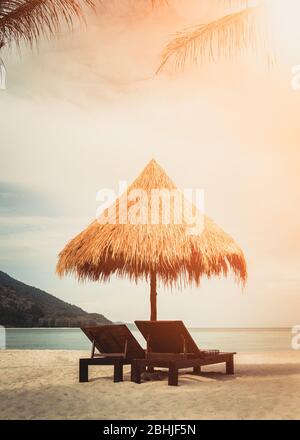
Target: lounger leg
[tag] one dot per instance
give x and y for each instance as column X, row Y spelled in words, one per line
column 118, row 372
column 197, row 370
column 83, row 370
column 230, row 366
column 137, row 371
column 173, row 374
column 132, row 372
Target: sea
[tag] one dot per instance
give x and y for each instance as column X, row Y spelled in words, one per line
column 240, row 340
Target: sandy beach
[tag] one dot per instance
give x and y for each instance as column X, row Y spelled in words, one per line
column 43, row 384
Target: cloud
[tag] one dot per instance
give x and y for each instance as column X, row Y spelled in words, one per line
column 19, row 200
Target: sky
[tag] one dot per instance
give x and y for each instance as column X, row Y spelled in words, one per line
column 86, row 111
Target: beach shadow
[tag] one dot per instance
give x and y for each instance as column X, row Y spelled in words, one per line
column 250, row 370
column 102, row 378
column 184, row 375
column 157, row 375
column 242, row 370
column 264, row 370
column 187, row 377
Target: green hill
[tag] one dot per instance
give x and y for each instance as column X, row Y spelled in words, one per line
column 26, row 306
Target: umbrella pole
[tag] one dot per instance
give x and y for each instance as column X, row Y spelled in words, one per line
column 153, row 295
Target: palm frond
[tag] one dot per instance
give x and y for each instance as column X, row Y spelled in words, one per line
column 2, row 76
column 159, row 2
column 236, row 2
column 28, row 20
column 228, row 35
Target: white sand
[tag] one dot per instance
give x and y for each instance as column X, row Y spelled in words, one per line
column 43, row 384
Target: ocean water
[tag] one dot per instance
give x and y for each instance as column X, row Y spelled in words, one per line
column 240, row 340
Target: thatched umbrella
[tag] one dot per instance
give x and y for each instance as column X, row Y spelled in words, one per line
column 164, row 252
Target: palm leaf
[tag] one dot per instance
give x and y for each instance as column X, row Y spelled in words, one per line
column 159, row 2
column 28, row 20
column 2, row 76
column 226, row 36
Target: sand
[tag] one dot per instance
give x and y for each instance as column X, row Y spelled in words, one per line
column 43, row 384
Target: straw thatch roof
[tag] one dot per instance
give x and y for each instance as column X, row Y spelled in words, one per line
column 137, row 250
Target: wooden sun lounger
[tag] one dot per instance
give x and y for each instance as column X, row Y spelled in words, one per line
column 116, row 346
column 170, row 345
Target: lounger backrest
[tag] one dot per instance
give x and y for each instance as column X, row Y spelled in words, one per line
column 111, row 339
column 167, row 336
